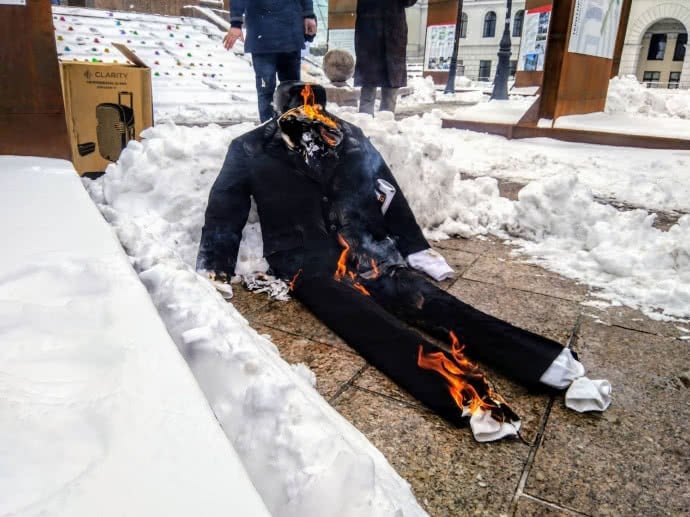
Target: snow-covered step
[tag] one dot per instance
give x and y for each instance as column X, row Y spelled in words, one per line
column 99, row 413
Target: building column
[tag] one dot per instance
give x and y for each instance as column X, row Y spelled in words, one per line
column 630, row 57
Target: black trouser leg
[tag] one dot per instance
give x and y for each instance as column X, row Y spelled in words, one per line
column 518, row 353
column 379, row 337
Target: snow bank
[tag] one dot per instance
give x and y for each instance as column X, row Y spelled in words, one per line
column 627, row 95
column 302, row 456
column 99, row 413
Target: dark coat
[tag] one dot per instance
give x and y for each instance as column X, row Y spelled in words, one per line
column 272, row 25
column 303, row 210
column 381, row 43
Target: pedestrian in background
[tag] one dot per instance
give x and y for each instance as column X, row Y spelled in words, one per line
column 276, row 32
column 381, row 51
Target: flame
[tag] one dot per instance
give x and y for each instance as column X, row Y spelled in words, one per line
column 463, row 377
column 294, row 279
column 313, row 110
column 341, row 270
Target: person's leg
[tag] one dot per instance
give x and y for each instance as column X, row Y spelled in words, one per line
column 289, row 66
column 367, row 98
column 265, row 73
column 379, row 337
column 518, row 353
column 389, row 97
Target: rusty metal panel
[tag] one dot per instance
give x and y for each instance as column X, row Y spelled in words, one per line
column 32, row 117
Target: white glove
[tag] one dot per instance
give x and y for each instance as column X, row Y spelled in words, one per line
column 220, row 281
column 588, row 395
column 486, row 429
column 432, row 263
column 563, row 371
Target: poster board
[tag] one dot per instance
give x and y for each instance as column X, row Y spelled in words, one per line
column 595, row 27
column 438, row 48
column 534, row 39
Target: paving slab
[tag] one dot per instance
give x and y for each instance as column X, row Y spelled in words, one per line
column 544, row 315
column 632, row 459
column 473, row 246
column 525, row 277
column 531, row 508
column 247, row 302
column 295, row 318
column 450, row 473
column 334, row 367
column 634, row 319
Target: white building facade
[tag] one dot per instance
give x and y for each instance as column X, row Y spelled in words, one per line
column 654, row 48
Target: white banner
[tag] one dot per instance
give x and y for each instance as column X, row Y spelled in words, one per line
column 595, row 27
column 12, row 2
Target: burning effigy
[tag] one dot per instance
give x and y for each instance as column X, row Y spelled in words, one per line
column 337, row 227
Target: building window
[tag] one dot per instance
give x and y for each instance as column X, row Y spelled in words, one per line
column 484, row 70
column 651, row 77
column 463, row 25
column 657, row 47
column 681, row 42
column 513, row 67
column 673, row 79
column 489, row 25
column 517, row 23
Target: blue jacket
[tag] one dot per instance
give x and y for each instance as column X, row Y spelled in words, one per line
column 272, row 25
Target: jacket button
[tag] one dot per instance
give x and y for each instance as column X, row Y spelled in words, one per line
column 324, row 199
column 333, row 227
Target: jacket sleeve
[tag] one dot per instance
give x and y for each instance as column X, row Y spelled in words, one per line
column 400, row 221
column 226, row 214
column 409, row 3
column 237, row 8
column 308, row 8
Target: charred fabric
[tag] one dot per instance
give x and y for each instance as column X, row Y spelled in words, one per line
column 337, row 227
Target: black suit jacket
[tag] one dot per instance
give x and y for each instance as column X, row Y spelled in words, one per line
column 304, row 208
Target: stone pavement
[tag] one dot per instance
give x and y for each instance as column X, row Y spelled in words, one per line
column 634, row 459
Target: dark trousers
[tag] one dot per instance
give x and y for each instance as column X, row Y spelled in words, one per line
column 373, row 325
column 266, row 66
column 367, row 99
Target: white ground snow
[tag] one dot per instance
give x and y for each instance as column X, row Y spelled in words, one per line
column 99, row 413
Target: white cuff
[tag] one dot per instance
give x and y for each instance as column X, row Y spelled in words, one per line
column 588, row 395
column 432, row 263
column 563, row 371
column 486, row 429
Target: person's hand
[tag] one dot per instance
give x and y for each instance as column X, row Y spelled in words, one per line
column 234, row 34
column 309, row 26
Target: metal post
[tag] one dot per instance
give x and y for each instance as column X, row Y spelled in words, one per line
column 450, row 85
column 500, row 91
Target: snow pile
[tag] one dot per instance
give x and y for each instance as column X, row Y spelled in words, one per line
column 627, row 95
column 303, row 457
column 94, row 398
column 633, row 263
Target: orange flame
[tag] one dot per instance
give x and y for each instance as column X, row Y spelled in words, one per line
column 459, row 372
column 313, row 110
column 294, row 279
column 341, row 270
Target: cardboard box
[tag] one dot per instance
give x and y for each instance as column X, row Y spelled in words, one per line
column 106, row 106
